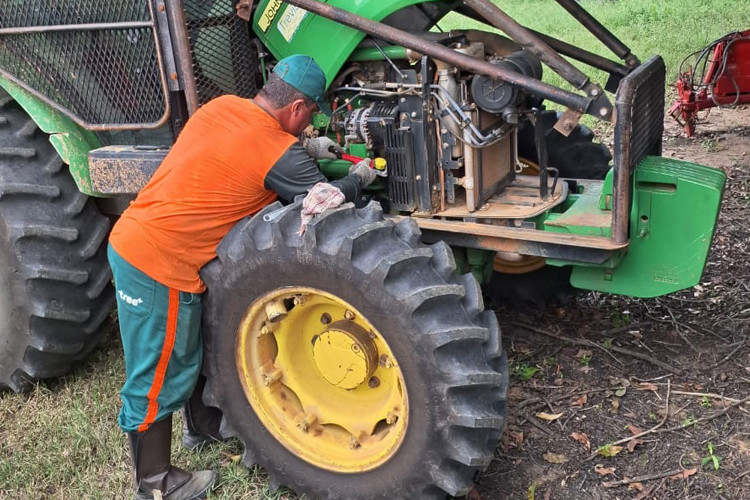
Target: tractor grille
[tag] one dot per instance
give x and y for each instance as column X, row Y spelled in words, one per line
column 640, row 114
column 225, row 60
column 640, row 124
column 95, row 61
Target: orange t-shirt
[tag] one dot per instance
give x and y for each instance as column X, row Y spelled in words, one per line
column 213, row 177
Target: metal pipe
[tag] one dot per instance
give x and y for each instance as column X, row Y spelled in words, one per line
column 576, row 102
column 76, row 27
column 600, row 32
column 579, row 54
column 181, row 44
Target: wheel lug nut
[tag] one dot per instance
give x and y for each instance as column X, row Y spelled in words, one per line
column 349, row 315
column 373, row 382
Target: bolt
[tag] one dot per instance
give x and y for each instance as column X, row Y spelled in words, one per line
column 603, row 111
column 354, row 443
column 162, row 7
column 264, row 330
column 413, row 114
column 390, row 418
column 173, row 76
column 385, row 361
column 373, row 382
column 349, row 315
column 418, row 178
column 595, row 92
column 325, row 318
column 298, row 300
column 403, row 99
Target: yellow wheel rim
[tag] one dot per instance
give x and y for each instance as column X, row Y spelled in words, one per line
column 526, row 263
column 322, row 380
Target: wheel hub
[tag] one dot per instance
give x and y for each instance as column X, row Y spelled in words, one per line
column 345, row 355
column 322, row 379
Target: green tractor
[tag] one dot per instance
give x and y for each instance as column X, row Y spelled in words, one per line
column 355, row 360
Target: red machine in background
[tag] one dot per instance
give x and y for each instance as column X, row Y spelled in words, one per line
column 720, row 77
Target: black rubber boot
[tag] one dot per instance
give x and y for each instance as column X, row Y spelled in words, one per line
column 154, row 474
column 201, row 423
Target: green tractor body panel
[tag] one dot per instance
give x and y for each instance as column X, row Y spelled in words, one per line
column 72, row 142
column 674, row 212
column 286, row 29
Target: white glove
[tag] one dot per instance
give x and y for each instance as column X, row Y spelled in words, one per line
column 317, row 147
column 321, row 197
column 365, row 173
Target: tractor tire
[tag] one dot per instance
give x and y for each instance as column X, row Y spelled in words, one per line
column 577, row 157
column 352, row 362
column 55, row 292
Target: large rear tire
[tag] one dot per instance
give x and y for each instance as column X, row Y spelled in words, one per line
column 517, row 283
column 55, row 292
column 380, row 377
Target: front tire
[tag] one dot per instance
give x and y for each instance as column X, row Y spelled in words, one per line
column 381, row 376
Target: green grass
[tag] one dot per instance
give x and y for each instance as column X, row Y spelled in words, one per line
column 670, row 28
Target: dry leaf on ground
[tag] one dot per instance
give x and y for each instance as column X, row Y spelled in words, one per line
column 550, row 417
column 634, row 430
column 582, row 438
column 603, row 471
column 633, row 443
column 555, row 458
column 685, row 474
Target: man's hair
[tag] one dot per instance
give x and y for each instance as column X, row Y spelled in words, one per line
column 279, row 93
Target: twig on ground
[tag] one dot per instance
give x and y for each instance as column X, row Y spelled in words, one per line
column 708, row 395
column 614, row 348
column 536, row 424
column 638, row 479
column 726, row 358
column 644, row 433
column 712, row 416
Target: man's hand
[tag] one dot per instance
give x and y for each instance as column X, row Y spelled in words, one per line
column 321, row 197
column 365, row 173
column 317, row 147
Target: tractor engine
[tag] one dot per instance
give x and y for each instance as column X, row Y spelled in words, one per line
column 448, row 137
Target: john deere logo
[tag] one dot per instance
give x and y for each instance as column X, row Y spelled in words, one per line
column 268, row 15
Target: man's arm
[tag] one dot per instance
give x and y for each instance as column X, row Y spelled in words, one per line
column 296, row 172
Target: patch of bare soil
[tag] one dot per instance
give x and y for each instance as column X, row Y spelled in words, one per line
column 620, row 398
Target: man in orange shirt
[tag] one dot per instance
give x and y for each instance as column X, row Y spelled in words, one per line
column 233, row 157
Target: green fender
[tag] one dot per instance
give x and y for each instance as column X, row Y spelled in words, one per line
column 71, row 141
column 286, row 29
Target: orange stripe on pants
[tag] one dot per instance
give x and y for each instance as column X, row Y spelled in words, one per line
column 166, row 353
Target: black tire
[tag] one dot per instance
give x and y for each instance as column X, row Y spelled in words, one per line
column 446, row 346
column 55, row 292
column 577, row 157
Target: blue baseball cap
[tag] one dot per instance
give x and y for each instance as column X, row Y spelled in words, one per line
column 304, row 74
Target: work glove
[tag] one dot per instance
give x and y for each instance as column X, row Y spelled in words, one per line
column 365, row 173
column 320, row 198
column 317, row 147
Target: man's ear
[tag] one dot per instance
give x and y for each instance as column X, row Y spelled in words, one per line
column 298, row 105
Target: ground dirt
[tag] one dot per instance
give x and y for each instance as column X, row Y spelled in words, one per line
column 676, row 369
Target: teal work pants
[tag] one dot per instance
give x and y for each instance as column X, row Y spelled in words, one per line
column 161, row 337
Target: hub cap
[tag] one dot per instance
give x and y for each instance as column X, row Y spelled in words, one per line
column 322, row 380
